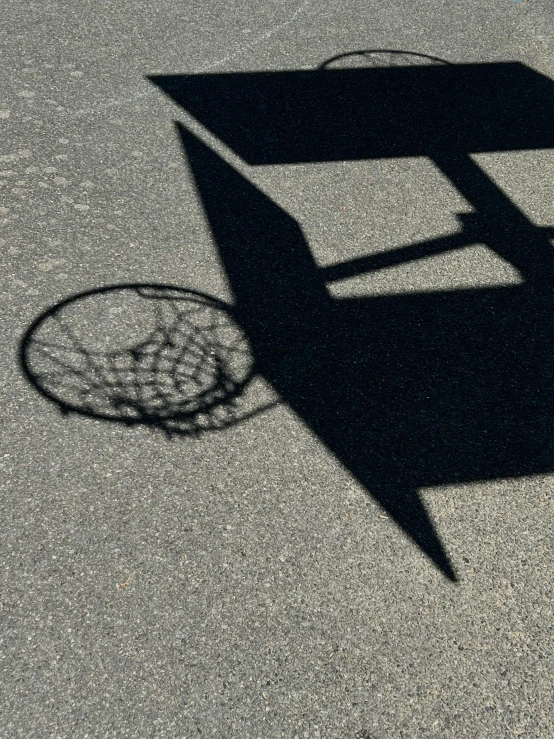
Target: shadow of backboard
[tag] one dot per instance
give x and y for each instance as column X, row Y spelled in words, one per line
column 407, row 391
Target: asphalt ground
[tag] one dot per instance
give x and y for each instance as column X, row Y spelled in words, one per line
column 245, row 581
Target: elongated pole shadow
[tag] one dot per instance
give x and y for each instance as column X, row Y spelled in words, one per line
column 296, row 335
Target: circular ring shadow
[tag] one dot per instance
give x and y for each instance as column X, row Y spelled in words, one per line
column 155, row 355
column 380, row 58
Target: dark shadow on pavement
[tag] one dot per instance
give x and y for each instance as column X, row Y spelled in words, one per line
column 407, row 391
column 413, row 390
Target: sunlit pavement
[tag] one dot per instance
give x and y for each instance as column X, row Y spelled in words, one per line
column 323, row 506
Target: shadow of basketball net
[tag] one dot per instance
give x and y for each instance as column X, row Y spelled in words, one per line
column 151, row 355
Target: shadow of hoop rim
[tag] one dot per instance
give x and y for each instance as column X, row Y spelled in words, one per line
column 365, row 52
column 68, row 408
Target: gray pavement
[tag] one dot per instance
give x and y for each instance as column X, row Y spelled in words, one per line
column 244, row 582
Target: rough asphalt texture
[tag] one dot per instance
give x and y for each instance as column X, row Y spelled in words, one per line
column 243, row 584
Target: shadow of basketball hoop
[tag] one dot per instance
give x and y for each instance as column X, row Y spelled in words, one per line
column 139, row 354
column 409, row 390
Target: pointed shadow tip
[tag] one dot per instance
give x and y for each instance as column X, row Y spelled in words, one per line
column 406, row 508
column 442, row 563
column 440, row 559
column 188, row 139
